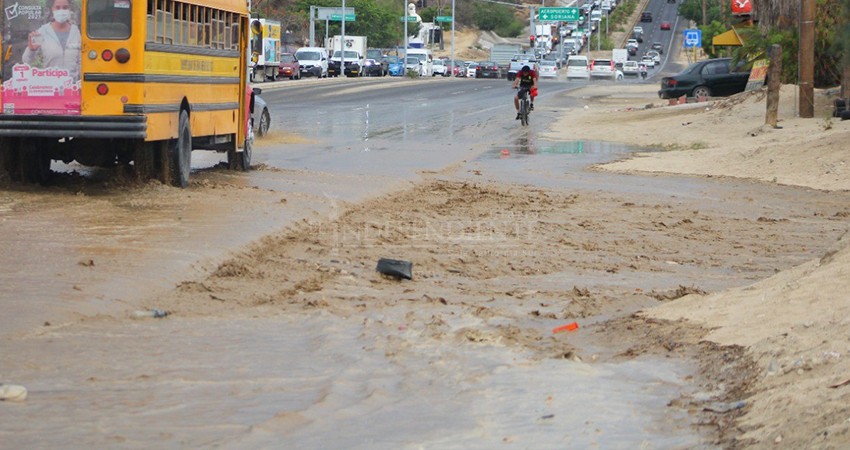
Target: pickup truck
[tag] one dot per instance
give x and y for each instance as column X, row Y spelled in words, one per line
column 518, row 61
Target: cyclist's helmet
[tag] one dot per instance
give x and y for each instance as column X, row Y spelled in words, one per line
column 526, row 69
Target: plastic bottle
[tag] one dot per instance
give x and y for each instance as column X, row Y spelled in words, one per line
column 155, row 313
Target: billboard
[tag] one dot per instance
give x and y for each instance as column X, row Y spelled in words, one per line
column 41, row 58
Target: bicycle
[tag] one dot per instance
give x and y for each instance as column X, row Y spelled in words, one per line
column 524, row 106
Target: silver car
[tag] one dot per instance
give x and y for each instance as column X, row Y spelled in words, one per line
column 261, row 119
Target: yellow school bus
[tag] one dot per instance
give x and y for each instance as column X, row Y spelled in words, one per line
column 124, row 82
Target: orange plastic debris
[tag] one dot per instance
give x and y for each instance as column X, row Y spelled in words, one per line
column 568, row 327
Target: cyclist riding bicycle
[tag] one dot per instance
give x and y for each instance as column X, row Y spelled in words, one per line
column 526, row 80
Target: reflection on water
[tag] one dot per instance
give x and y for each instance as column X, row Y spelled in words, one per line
column 527, row 144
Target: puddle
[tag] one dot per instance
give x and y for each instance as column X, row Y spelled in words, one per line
column 528, row 145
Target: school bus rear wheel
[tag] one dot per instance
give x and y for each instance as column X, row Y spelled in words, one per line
column 181, row 152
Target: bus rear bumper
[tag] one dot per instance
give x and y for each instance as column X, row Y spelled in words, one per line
column 110, row 127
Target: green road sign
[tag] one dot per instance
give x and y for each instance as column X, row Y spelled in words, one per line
column 338, row 17
column 409, row 18
column 556, row 14
column 444, row 18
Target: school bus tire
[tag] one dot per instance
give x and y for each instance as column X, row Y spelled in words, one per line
column 34, row 162
column 144, row 160
column 9, row 158
column 180, row 158
column 245, row 155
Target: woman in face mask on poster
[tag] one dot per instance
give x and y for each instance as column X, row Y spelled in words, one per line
column 58, row 41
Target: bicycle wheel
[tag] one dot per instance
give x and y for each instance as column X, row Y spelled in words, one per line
column 523, row 112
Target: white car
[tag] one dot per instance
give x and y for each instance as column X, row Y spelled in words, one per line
column 638, row 29
column 578, row 67
column 631, row 43
column 631, row 68
column 412, row 65
column 548, row 68
column 602, row 68
column 655, row 56
column 648, row 60
column 440, row 68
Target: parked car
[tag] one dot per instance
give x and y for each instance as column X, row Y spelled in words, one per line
column 373, row 68
column 289, row 67
column 711, row 77
column 313, row 61
column 602, row 68
column 440, row 67
column 412, row 64
column 379, row 56
column 394, row 66
column 459, row 69
column 473, row 70
column 666, row 25
column 646, row 17
column 578, row 67
column 261, row 119
column 548, row 69
column 490, row 69
column 657, row 47
column 630, row 68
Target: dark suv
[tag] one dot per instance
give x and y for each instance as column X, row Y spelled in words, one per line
column 712, row 77
column 646, row 17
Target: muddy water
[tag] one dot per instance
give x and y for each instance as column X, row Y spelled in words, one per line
column 256, row 378
column 316, row 382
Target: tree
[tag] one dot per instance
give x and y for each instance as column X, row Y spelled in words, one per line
column 379, row 23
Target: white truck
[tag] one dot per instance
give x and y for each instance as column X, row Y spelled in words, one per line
column 620, row 56
column 501, row 54
column 265, row 49
column 353, row 53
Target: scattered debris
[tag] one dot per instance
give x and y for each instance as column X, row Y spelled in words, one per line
column 395, row 268
column 12, row 393
column 155, row 313
column 724, row 407
column 572, row 326
column 838, row 385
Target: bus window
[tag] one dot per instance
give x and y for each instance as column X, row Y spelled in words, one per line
column 108, row 19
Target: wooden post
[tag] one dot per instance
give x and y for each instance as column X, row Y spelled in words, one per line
column 774, row 71
column 845, row 81
column 807, row 59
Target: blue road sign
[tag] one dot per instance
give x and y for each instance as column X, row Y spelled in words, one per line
column 693, row 38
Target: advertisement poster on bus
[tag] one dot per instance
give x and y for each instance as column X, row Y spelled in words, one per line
column 41, row 57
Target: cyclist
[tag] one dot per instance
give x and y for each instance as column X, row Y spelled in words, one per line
column 526, row 79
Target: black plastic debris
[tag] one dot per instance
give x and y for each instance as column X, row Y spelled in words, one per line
column 395, row 268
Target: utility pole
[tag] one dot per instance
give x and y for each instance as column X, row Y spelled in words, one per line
column 774, row 75
column 453, row 37
column 312, row 25
column 806, row 59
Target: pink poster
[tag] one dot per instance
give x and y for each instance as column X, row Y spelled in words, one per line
column 41, row 63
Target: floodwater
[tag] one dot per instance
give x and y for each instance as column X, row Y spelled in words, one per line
column 319, row 382
column 77, row 262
